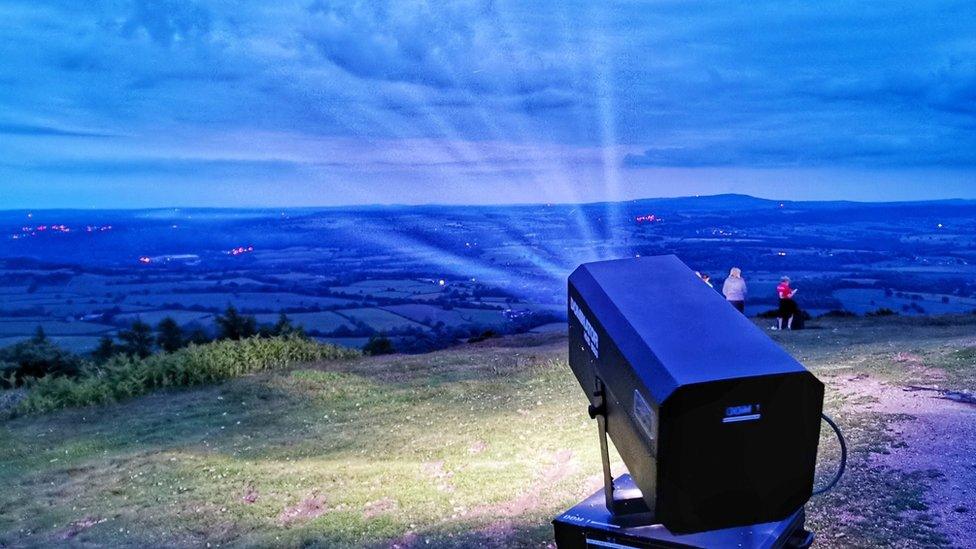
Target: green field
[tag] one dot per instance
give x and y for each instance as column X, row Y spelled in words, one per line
column 867, row 300
column 153, row 317
column 378, row 319
column 52, row 327
column 324, row 321
column 349, row 342
column 75, row 344
column 479, row 445
column 431, row 314
column 484, row 317
column 388, row 288
column 245, row 301
column 427, row 314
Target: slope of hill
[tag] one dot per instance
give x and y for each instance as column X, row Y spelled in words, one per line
column 481, row 443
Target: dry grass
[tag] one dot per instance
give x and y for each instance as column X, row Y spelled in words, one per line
column 482, row 444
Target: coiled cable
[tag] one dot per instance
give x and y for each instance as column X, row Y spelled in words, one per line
column 843, row 456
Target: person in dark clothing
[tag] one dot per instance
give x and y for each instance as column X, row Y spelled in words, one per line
column 787, row 307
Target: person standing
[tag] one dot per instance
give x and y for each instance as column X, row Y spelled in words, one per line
column 787, row 307
column 734, row 289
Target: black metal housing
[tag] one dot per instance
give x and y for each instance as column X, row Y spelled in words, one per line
column 717, row 424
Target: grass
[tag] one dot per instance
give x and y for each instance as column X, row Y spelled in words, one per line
column 467, row 446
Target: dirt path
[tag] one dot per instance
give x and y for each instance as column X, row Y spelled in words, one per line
column 940, row 438
column 501, row 530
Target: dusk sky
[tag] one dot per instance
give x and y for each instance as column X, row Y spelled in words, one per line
column 302, row 103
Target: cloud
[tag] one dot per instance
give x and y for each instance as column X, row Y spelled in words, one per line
column 455, row 45
column 465, row 89
column 778, row 150
column 167, row 21
column 40, row 130
column 136, row 167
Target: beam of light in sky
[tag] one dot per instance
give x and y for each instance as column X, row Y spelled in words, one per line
column 383, row 239
column 559, row 177
column 602, row 64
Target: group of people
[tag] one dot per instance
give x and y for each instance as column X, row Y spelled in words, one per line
column 735, row 291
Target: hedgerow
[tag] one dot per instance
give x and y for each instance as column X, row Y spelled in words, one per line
column 126, row 376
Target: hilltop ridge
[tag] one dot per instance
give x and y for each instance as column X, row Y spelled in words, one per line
column 481, row 443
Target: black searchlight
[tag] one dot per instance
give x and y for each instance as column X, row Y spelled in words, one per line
column 717, row 425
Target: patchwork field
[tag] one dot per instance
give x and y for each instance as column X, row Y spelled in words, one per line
column 244, row 301
column 479, row 445
column 154, row 316
column 325, row 321
column 429, row 315
column 378, row 319
column 81, row 304
column 867, row 300
column 28, row 327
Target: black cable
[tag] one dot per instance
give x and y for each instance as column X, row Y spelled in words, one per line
column 843, row 456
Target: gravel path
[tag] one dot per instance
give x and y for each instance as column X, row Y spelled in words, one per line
column 940, row 438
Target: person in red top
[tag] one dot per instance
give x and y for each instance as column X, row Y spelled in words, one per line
column 787, row 307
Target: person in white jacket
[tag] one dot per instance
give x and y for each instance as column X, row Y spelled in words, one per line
column 735, row 289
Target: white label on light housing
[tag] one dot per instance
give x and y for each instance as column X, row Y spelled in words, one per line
column 645, row 416
column 744, row 412
column 589, row 332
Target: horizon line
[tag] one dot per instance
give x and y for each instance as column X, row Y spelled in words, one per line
column 491, row 205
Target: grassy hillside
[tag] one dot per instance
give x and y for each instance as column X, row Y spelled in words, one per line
column 483, row 443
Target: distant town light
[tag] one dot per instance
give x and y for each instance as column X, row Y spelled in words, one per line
column 940, row 225
column 240, row 250
column 781, row 254
column 441, row 282
column 145, row 260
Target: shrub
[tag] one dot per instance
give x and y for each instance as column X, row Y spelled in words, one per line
column 169, row 335
column 138, row 340
column 884, row 311
column 106, row 349
column 233, row 325
column 838, row 313
column 36, row 358
column 487, row 334
column 379, row 345
column 774, row 313
column 126, row 376
column 283, row 327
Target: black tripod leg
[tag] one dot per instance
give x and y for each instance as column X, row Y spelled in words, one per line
column 598, row 411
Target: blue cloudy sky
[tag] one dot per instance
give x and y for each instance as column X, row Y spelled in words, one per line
column 130, row 103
